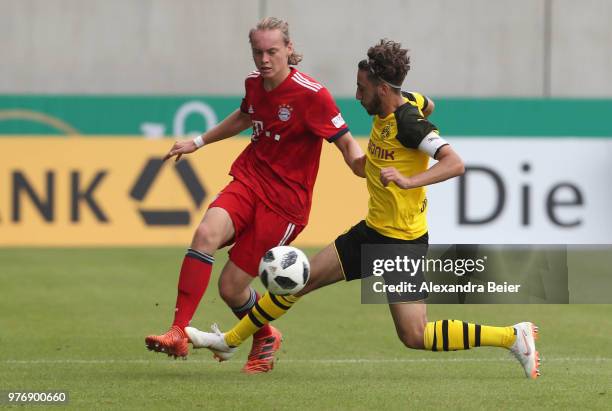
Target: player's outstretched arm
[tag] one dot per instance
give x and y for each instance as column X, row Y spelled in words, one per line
column 230, row 126
column 352, row 153
column 449, row 165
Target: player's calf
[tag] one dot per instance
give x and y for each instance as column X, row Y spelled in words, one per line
column 410, row 320
column 412, row 339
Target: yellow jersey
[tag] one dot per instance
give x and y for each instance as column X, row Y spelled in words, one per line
column 394, row 142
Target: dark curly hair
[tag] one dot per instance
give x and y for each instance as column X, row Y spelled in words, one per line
column 387, row 61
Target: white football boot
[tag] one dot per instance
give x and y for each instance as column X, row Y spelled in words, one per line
column 214, row 341
column 524, row 349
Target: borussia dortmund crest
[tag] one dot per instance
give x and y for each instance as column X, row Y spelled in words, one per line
column 386, row 131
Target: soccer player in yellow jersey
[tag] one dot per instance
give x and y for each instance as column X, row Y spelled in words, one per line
column 396, row 167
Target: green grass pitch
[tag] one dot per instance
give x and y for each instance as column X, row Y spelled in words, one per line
column 75, row 320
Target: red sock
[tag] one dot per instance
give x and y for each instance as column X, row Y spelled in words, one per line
column 242, row 311
column 193, row 280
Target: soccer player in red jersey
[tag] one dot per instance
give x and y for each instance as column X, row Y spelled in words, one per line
column 268, row 202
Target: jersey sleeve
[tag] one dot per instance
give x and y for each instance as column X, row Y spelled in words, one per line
column 324, row 118
column 416, row 99
column 415, row 131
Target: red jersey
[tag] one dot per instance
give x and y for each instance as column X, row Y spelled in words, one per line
column 289, row 125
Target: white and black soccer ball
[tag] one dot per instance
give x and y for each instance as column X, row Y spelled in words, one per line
column 284, row 270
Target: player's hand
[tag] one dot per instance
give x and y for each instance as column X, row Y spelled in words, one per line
column 390, row 174
column 179, row 148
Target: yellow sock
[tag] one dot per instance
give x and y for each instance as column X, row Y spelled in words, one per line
column 268, row 308
column 451, row 335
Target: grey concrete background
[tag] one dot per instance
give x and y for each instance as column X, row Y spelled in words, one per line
column 559, row 48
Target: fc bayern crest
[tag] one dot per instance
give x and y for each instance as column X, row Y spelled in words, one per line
column 284, row 112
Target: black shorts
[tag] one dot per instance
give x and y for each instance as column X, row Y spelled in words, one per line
column 348, row 247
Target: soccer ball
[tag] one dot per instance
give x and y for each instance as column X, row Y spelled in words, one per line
column 284, row 270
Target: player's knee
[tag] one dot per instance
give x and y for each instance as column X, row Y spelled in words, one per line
column 228, row 293
column 225, row 293
column 207, row 238
column 412, row 338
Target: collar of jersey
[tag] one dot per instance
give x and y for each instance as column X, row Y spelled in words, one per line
column 282, row 84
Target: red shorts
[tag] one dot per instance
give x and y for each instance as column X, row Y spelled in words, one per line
column 257, row 228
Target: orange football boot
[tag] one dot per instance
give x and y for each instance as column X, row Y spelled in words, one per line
column 174, row 342
column 261, row 357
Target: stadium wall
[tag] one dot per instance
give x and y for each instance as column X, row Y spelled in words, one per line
column 526, row 48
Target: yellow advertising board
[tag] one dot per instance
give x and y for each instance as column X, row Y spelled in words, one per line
column 109, row 191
